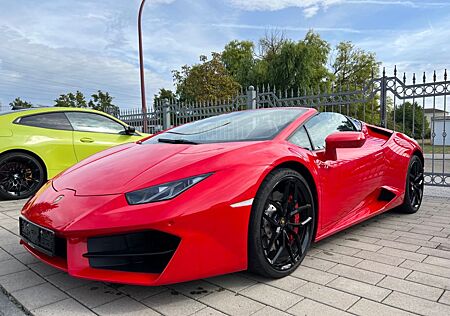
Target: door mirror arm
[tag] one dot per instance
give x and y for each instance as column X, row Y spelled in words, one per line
column 130, row 130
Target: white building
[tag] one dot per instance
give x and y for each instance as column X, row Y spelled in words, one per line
column 442, row 130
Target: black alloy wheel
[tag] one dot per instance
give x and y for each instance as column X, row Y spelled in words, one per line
column 21, row 175
column 282, row 224
column 414, row 186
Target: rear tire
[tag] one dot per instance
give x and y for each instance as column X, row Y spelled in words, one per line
column 281, row 224
column 414, row 186
column 21, row 176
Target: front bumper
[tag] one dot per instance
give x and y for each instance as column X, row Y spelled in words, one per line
column 210, row 239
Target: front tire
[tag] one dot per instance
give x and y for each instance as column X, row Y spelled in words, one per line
column 414, row 186
column 21, row 176
column 281, row 224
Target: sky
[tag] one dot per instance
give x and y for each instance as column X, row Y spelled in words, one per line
column 50, row 47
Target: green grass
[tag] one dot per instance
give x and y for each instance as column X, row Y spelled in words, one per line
column 438, row 149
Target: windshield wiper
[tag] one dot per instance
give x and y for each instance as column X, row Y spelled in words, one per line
column 176, row 141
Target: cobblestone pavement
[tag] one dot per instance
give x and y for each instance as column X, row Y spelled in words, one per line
column 394, row 264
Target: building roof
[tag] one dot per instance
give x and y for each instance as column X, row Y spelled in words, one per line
column 434, row 110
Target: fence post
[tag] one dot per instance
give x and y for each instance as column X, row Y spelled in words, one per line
column 383, row 100
column 166, row 114
column 251, row 98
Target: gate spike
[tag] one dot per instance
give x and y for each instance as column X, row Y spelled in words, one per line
column 445, row 75
column 395, row 71
column 404, row 77
column 424, row 77
column 414, row 78
column 384, row 71
column 434, row 76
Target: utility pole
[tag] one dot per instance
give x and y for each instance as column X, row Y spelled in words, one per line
column 142, row 70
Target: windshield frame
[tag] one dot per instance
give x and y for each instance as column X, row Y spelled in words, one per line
column 181, row 136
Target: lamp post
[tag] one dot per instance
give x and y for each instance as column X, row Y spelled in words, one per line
column 142, row 70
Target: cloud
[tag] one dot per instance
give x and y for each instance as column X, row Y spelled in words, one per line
column 312, row 7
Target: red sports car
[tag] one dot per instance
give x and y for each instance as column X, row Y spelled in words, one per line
column 244, row 190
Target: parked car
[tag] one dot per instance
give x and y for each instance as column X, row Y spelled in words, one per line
column 38, row 143
column 245, row 190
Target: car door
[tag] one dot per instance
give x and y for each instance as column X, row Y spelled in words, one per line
column 50, row 136
column 347, row 182
column 94, row 132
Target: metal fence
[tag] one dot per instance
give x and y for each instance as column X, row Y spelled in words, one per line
column 416, row 109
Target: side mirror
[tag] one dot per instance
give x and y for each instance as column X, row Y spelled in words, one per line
column 342, row 140
column 130, row 130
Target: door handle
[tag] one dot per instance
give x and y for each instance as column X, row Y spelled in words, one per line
column 86, row 140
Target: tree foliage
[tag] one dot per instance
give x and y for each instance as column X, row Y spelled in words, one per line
column 238, row 59
column 18, row 103
column 71, row 100
column 416, row 124
column 100, row 101
column 206, row 81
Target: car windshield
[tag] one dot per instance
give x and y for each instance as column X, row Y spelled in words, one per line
column 254, row 125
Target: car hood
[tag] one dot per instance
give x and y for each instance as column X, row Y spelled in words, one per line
column 134, row 166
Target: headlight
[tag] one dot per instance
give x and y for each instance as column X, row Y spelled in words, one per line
column 163, row 192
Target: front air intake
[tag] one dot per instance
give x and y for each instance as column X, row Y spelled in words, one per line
column 147, row 252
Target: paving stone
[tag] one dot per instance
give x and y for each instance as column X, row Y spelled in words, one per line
column 4, row 255
column 327, row 295
column 384, row 269
column 361, row 238
column 125, row 306
column 398, row 245
column 20, row 280
column 66, row 282
column 43, row 269
column 437, row 261
column 337, row 249
column 338, row 258
column 232, row 304
column 427, row 268
column 412, row 235
column 317, row 263
column 208, row 311
column 313, row 275
column 8, row 308
column 416, row 305
column 140, row 292
column 95, row 294
column 412, row 288
column 269, row 311
column 435, row 252
column 359, row 288
column 173, row 303
column 67, row 307
column 195, row 289
column 417, row 242
column 26, row 258
column 272, row 296
column 379, row 257
column 287, row 283
column 445, row 299
column 358, row 245
column 11, row 266
column 429, row 279
column 370, row 308
column 234, row 282
column 38, row 296
column 403, row 254
column 309, row 307
column 357, row 274
column 13, row 248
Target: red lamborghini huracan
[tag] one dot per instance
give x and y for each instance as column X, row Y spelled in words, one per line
column 244, row 190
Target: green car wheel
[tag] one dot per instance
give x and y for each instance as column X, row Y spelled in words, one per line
column 21, row 175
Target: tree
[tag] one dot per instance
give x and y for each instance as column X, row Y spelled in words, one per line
column 102, row 101
column 71, row 100
column 353, row 66
column 207, row 81
column 238, row 59
column 408, row 110
column 163, row 94
column 20, row 104
column 300, row 64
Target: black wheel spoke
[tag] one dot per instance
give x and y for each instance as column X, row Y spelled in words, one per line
column 302, row 224
column 274, row 238
column 299, row 209
column 270, row 220
column 274, row 260
column 288, row 247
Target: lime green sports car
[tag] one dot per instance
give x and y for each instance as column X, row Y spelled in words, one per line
column 38, row 143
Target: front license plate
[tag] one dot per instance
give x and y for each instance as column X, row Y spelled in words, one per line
column 38, row 237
